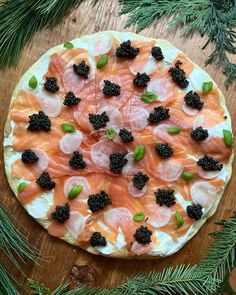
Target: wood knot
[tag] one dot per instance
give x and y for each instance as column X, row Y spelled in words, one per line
column 82, row 274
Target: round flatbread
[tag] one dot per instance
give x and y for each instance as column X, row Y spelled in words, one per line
column 119, row 148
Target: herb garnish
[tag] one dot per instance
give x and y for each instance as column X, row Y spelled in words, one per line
column 174, row 130
column 148, row 96
column 110, row 133
column 139, row 216
column 21, row 187
column 66, row 127
column 102, row 61
column 139, row 153
column 68, row 45
column 75, row 191
column 228, row 137
column 33, row 82
column 207, row 87
column 179, row 219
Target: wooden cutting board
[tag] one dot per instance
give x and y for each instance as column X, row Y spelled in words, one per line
column 59, row 257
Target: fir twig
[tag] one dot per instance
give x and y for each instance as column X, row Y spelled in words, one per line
column 21, row 19
column 38, row 289
column 221, row 256
column 7, row 283
column 13, row 243
column 216, row 19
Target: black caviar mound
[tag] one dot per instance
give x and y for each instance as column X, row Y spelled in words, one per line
column 209, row 164
column 61, row 213
column 98, row 120
column 29, row 157
column 199, row 134
column 143, row 235
column 39, row 122
column 71, row 99
column 117, row 162
column 45, row 182
column 77, row 161
column 194, row 211
column 139, row 180
column 126, row 135
column 164, row 150
column 111, row 89
column 178, row 75
column 165, row 197
column 141, row 80
column 158, row 115
column 51, row 84
column 157, row 53
column 98, row 201
column 126, row 50
column 193, row 100
column 81, row 69
column 97, row 240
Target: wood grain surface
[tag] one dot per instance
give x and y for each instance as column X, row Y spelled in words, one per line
column 58, row 256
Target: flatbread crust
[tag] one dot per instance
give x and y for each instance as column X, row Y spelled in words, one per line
column 39, row 67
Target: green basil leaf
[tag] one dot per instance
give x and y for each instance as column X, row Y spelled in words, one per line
column 174, row 130
column 207, row 87
column 228, row 137
column 21, row 187
column 75, row 191
column 187, row 175
column 102, row 61
column 110, row 133
column 148, row 96
column 33, row 83
column 139, row 216
column 139, row 153
column 68, row 45
column 66, row 127
column 180, row 219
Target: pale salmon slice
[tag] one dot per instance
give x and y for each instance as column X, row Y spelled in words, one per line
column 30, row 171
column 186, row 65
column 31, row 191
column 24, row 105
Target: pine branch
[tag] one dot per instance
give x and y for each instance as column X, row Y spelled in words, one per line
column 221, row 256
column 13, row 243
column 21, row 19
column 38, row 288
column 225, row 287
column 7, row 283
column 216, row 19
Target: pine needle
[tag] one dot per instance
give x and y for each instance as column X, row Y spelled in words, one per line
column 13, row 243
column 7, row 283
column 21, row 19
column 214, row 18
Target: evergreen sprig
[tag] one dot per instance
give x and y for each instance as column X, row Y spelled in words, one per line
column 208, row 277
column 21, row 19
column 214, row 18
column 7, row 283
column 14, row 243
column 37, row 288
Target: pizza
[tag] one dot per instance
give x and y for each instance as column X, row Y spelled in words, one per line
column 119, row 144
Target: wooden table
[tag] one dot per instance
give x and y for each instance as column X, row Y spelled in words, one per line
column 59, row 257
